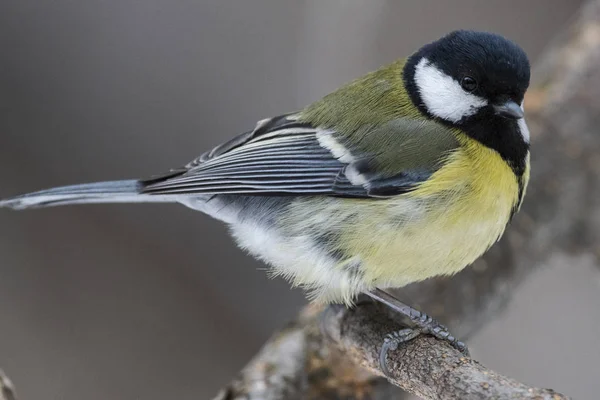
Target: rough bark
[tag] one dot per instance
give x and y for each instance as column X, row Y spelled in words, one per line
column 561, row 214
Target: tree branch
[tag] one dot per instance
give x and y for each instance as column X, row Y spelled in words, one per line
column 429, row 368
column 561, row 213
column 334, row 354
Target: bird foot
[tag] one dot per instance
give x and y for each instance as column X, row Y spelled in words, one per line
column 393, row 340
column 423, row 324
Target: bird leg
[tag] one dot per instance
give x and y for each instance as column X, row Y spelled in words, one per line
column 423, row 324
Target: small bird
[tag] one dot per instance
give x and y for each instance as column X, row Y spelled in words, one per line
column 409, row 172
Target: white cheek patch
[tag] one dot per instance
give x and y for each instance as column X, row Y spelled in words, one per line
column 523, row 127
column 443, row 96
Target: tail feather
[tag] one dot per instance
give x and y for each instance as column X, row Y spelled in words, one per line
column 126, row 191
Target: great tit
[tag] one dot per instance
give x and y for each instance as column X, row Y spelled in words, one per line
column 409, row 172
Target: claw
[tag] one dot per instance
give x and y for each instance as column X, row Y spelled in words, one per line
column 460, row 346
column 391, row 342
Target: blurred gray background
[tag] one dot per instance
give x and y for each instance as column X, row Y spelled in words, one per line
column 154, row 301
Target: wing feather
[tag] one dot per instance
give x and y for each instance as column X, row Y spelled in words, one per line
column 283, row 156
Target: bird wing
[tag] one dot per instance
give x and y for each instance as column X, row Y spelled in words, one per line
column 286, row 156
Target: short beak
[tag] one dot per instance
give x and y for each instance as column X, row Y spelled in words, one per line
column 510, row 109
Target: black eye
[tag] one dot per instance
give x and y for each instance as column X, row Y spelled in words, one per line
column 469, row 84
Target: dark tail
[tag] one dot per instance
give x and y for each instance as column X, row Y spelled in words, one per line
column 127, row 191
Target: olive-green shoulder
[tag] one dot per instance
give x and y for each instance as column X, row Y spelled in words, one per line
column 375, row 98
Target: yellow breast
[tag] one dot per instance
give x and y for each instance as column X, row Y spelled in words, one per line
column 441, row 227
